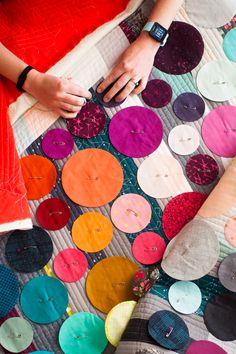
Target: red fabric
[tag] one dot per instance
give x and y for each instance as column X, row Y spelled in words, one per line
column 40, row 32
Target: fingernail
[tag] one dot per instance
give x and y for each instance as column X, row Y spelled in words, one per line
column 105, row 99
column 99, row 90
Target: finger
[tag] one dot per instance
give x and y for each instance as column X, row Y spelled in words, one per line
column 76, row 90
column 113, row 76
column 127, row 91
column 67, row 115
column 142, row 85
column 69, row 107
column 118, row 86
column 74, row 100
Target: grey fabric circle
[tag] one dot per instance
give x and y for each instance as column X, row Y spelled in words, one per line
column 227, row 272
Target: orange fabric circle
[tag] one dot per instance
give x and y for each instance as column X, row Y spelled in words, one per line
column 39, row 175
column 92, row 177
column 92, row 232
column 109, row 282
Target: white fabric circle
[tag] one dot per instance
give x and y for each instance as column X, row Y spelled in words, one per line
column 184, row 140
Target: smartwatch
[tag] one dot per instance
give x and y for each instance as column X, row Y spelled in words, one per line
column 156, row 31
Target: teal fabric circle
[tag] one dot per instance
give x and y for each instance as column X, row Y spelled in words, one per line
column 83, row 333
column 229, row 45
column 44, row 299
column 185, row 297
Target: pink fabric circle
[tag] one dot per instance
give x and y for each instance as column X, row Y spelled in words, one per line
column 148, row 248
column 57, row 143
column 70, row 265
column 230, row 231
column 219, row 131
column 204, row 347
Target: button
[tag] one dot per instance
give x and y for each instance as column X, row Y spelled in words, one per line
column 230, row 231
column 227, row 272
column 185, row 297
column 184, row 140
column 9, row 290
column 57, row 143
column 112, row 103
column 202, row 169
column 144, row 279
column 229, row 44
column 131, row 213
column 53, row 214
column 204, row 346
column 157, row 93
column 136, row 131
column 29, row 250
column 189, row 107
column 148, row 248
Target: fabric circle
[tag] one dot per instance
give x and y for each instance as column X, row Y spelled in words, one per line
column 53, row 214
column 216, row 80
column 210, row 13
column 148, row 248
column 160, row 176
column 183, row 139
column 92, row 177
column 202, row 169
column 227, row 272
column 230, row 231
column 204, row 346
column 168, row 330
column 136, row 131
column 83, row 332
column 92, row 232
column 219, row 317
column 106, row 286
column 229, row 44
column 112, row 102
column 16, row 334
column 39, row 175
column 175, row 57
column 28, row 251
column 157, row 94
column 185, row 297
column 189, row 107
column 70, row 265
column 57, row 143
column 44, row 299
column 41, row 352
column 89, row 122
column 9, row 290
column 131, row 213
column 117, row 320
column 144, row 279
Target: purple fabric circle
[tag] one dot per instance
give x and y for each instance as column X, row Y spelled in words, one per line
column 89, row 122
column 157, row 94
column 183, row 50
column 136, row 131
column 202, row 169
column 204, row 347
column 57, row 143
column 189, row 107
column 112, row 102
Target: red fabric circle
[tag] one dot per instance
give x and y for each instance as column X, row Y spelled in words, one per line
column 53, row 214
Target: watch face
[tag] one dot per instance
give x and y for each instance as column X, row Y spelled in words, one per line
column 158, row 32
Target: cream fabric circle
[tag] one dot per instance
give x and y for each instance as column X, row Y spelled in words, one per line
column 184, row 140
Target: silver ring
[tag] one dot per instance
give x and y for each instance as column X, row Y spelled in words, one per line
column 85, row 101
column 136, row 84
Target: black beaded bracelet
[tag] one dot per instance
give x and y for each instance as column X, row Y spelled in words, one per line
column 22, row 78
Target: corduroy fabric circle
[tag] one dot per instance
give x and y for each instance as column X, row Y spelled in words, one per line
column 227, row 272
column 185, row 297
column 204, row 347
column 230, row 231
column 157, row 93
column 202, row 169
column 189, row 107
column 148, row 248
column 57, row 143
column 9, row 290
column 53, row 214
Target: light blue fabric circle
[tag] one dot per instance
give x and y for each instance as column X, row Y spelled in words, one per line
column 185, row 297
column 44, row 299
column 229, row 45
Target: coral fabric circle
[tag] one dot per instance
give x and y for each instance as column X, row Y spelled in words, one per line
column 57, row 143
column 16, row 334
column 216, row 80
column 229, row 44
column 148, row 248
column 189, row 107
column 185, row 297
column 160, row 176
column 219, row 131
column 204, row 346
column 9, row 290
column 39, row 175
column 89, row 122
column 112, row 102
column 92, row 177
column 157, row 93
column 92, row 232
column 175, row 57
column 83, row 332
column 117, row 321
column 109, row 282
column 227, row 272
column 230, row 231
column 44, row 299
column 70, row 265
column 28, row 251
column 53, row 214
column 131, row 213
column 183, row 139
column 202, row 169
column 136, row 131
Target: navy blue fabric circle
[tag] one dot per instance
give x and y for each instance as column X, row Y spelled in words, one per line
column 9, row 290
column 169, row 330
column 112, row 102
column 28, row 251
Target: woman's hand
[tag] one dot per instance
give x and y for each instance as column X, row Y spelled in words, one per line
column 60, row 95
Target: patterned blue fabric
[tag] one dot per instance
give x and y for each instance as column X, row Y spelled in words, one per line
column 9, row 290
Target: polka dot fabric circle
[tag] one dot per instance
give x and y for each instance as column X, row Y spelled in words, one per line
column 107, row 287
column 204, row 346
column 230, row 231
column 148, row 248
column 229, row 44
column 227, row 272
column 39, row 175
column 180, row 210
column 202, row 169
column 9, row 290
column 136, row 131
column 57, row 143
column 28, row 251
column 112, row 102
column 184, row 140
column 70, row 265
column 53, row 214
column 44, row 299
column 131, row 213
column 189, row 107
column 185, row 297
column 175, row 57
column 157, row 93
column 88, row 123
column 92, row 177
